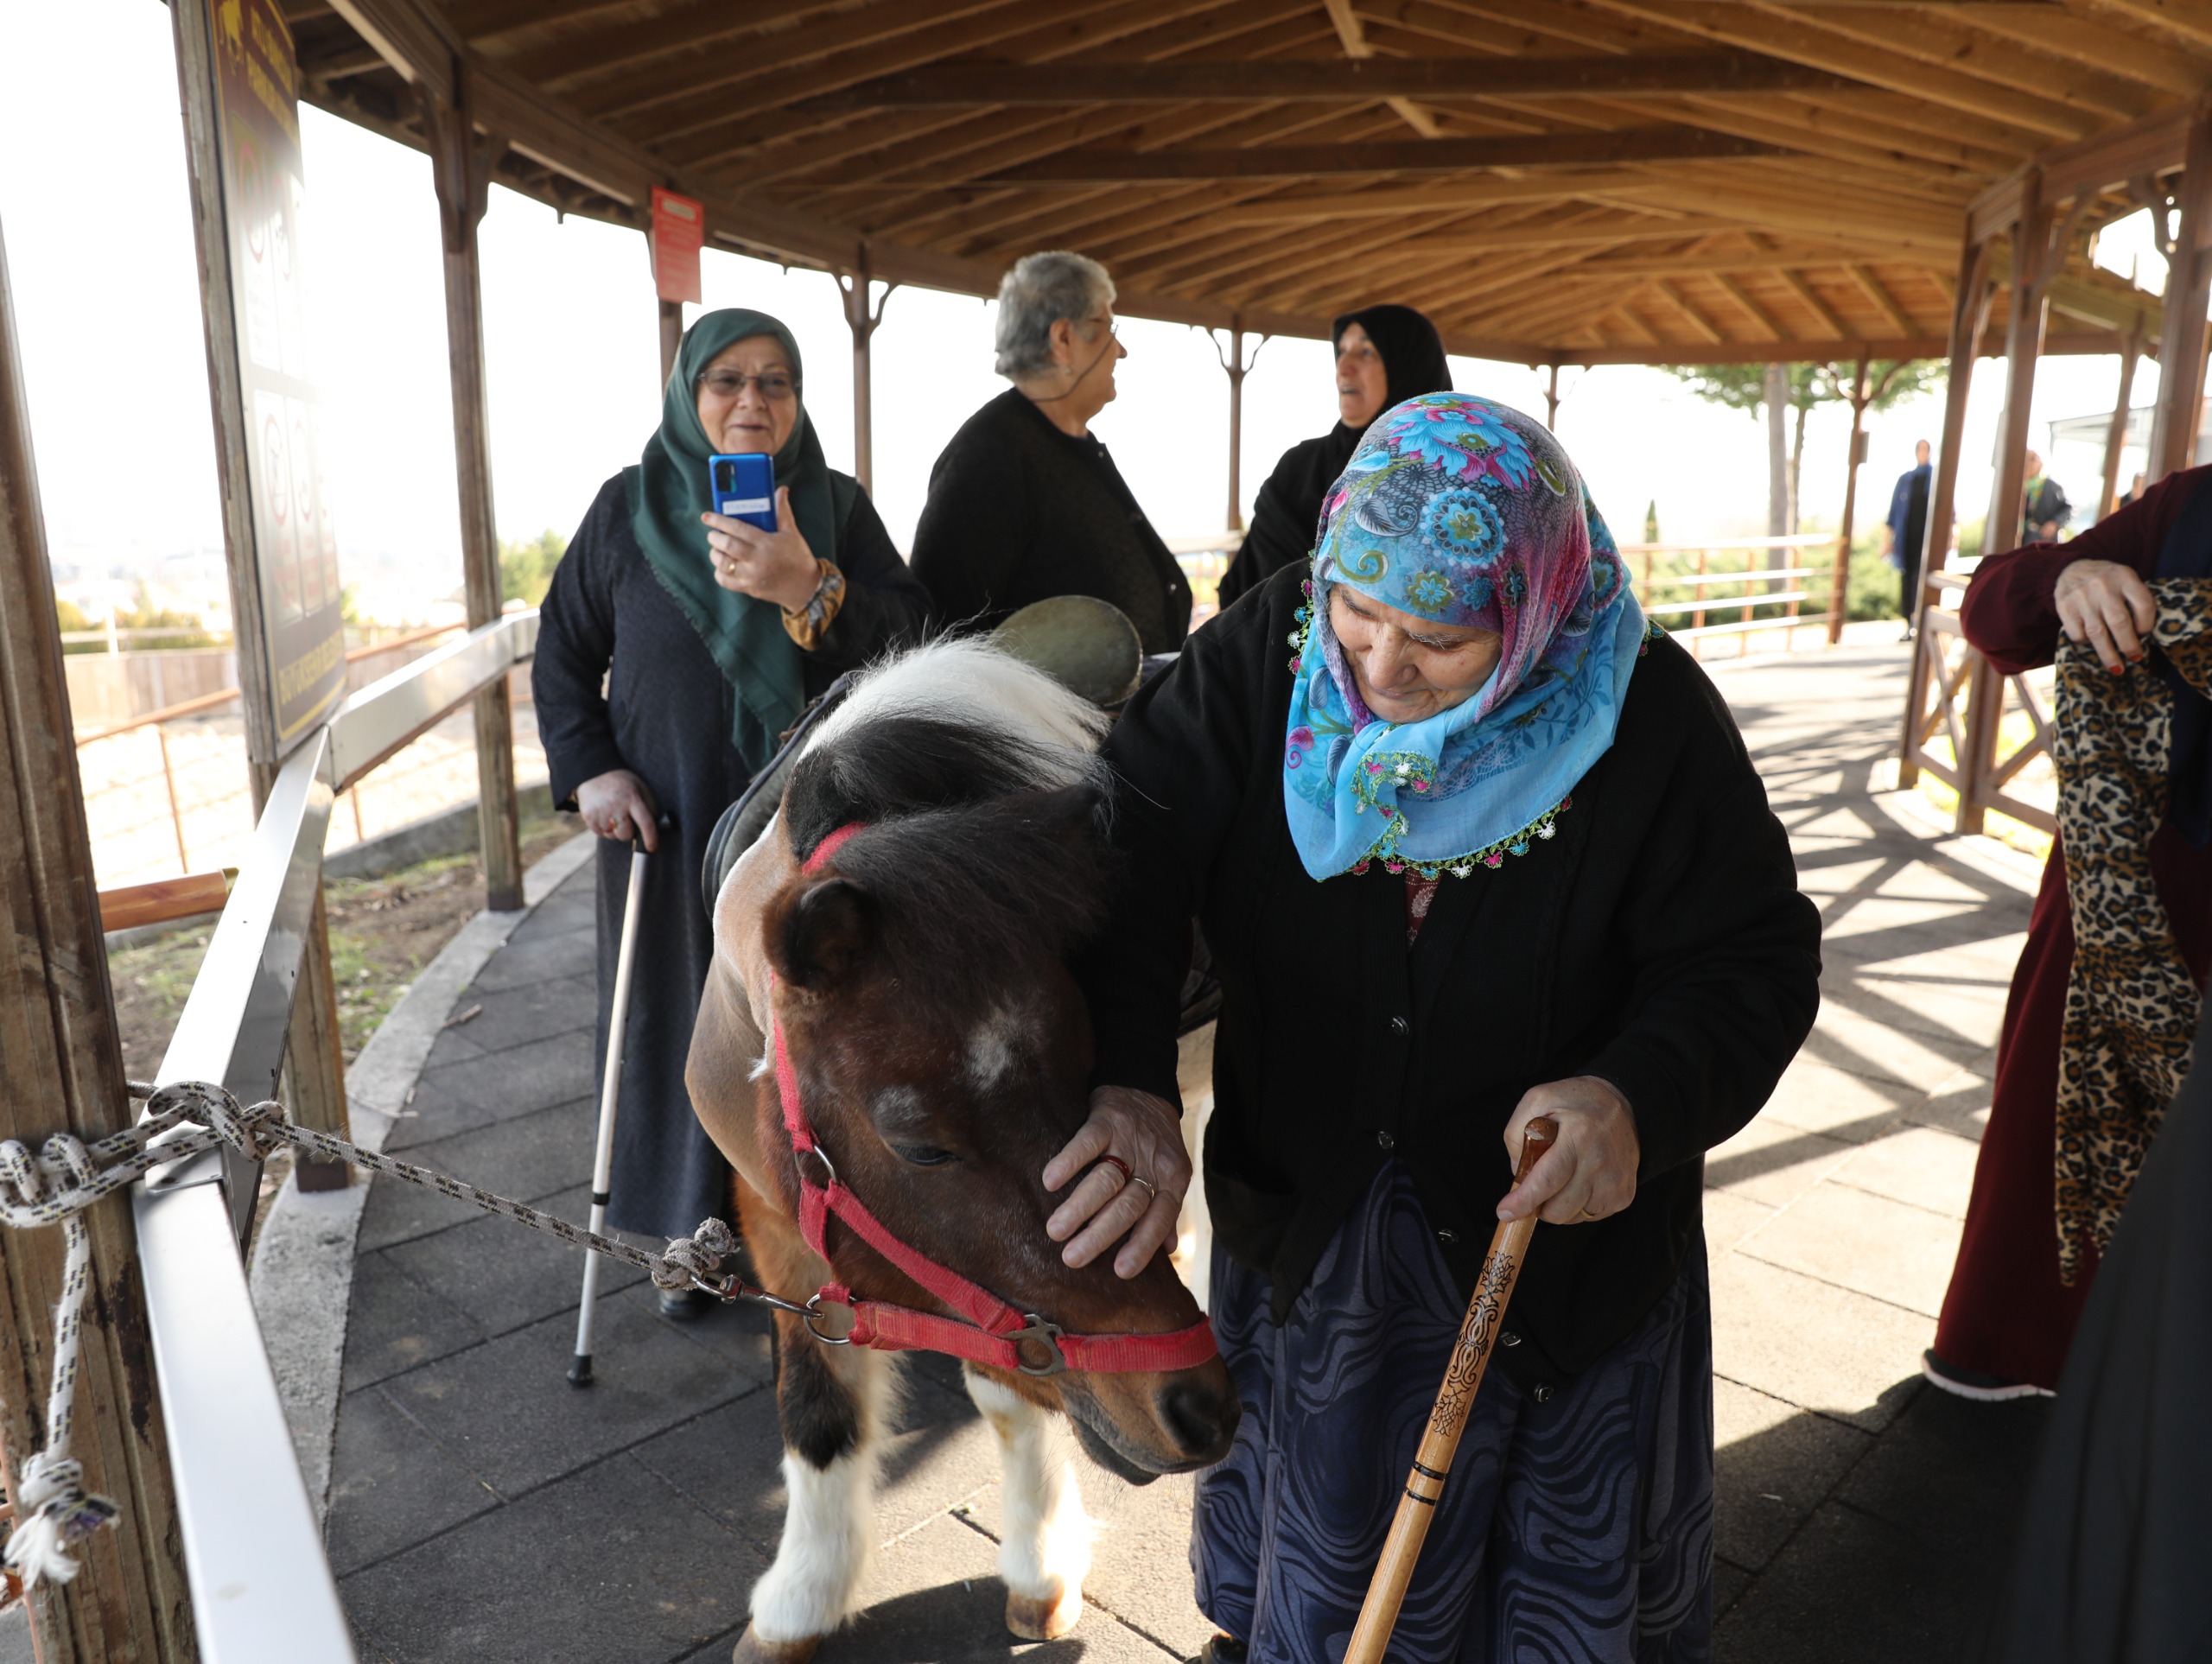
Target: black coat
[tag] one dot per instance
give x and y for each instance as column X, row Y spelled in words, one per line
column 1287, row 511
column 1658, row 941
column 666, row 717
column 1019, row 511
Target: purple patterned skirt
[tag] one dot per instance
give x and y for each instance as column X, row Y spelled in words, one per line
column 1577, row 1531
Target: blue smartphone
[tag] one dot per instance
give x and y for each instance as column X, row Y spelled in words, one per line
column 744, row 487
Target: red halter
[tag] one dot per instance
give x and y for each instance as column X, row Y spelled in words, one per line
column 987, row 1330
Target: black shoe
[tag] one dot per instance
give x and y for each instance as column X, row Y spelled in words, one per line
column 1962, row 1382
column 1222, row 1649
column 684, row 1305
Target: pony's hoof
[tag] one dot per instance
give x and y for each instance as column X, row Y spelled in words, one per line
column 751, row 1649
column 1044, row 1617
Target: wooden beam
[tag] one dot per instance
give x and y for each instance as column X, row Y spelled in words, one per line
column 2181, row 379
column 1795, row 283
column 1757, row 313
column 1363, row 82
column 1871, row 287
column 1315, row 207
column 1546, row 232
column 1437, row 155
column 1699, row 321
column 1354, row 40
column 1812, row 352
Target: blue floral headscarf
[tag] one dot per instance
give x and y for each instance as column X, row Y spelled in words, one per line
column 1463, row 511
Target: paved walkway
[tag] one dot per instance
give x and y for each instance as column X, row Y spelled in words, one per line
column 484, row 1510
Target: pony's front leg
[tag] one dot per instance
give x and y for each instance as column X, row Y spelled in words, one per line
column 832, row 1403
column 1045, row 1552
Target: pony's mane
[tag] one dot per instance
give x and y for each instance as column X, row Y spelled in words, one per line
column 978, row 782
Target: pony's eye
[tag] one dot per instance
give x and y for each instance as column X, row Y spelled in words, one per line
column 924, row 1155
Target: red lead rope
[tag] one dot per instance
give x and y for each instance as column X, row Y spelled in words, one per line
column 988, row 1330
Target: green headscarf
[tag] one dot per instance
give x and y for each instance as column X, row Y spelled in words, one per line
column 668, row 492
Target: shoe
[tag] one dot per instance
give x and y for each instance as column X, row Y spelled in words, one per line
column 1962, row 1382
column 684, row 1305
column 1222, row 1649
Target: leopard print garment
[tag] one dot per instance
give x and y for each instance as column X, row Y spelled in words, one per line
column 2132, row 1006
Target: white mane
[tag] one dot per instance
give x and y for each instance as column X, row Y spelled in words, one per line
column 973, row 683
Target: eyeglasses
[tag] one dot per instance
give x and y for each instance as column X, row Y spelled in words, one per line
column 775, row 385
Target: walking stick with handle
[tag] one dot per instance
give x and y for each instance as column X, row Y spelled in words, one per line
column 610, row 1094
column 1509, row 1247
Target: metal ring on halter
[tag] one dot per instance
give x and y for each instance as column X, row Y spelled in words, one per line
column 823, row 1156
column 810, row 1315
column 1047, row 1334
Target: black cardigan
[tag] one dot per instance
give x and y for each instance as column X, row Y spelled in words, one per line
column 1019, row 511
column 1657, row 940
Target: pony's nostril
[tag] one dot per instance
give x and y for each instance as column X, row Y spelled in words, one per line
column 1202, row 1422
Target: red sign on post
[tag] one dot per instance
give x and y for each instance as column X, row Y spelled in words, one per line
column 679, row 229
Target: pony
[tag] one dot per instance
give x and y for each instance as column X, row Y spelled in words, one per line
column 915, row 973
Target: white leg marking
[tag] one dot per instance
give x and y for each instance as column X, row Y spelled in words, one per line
column 828, row 1525
column 1046, row 1550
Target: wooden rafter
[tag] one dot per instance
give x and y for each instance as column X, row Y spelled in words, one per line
column 1435, row 155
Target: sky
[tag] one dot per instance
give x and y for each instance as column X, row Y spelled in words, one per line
column 99, row 242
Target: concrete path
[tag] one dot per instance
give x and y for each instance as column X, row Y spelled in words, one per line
column 484, row 1510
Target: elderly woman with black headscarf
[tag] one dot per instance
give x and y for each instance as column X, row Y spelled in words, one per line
column 716, row 632
column 1026, row 503
column 1385, row 355
column 1472, row 844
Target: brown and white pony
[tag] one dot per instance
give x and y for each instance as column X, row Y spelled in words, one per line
column 942, row 1050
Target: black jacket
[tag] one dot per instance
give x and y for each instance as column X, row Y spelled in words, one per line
column 1658, row 940
column 1019, row 511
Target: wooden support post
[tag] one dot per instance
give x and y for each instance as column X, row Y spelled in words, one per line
column 64, row 1069
column 1840, row 581
column 672, row 338
column 863, row 321
column 2116, row 435
column 1551, row 401
column 2181, row 337
column 1234, row 363
column 461, row 163
column 1969, row 317
column 314, row 1085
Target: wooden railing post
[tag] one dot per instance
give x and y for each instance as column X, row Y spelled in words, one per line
column 1969, row 317
column 2181, row 336
column 461, row 165
column 64, row 1069
column 1839, row 579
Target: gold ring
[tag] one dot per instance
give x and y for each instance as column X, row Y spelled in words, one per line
column 1150, row 1189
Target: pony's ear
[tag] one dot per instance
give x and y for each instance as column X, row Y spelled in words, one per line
column 823, row 931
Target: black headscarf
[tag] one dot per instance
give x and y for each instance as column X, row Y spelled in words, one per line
column 1288, row 507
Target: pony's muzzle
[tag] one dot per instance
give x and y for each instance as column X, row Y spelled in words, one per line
column 1200, row 1414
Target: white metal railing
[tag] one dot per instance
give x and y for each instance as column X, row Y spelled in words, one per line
column 1688, row 566
column 261, row 1587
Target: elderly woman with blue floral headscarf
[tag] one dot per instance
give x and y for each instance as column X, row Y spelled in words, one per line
column 1472, row 844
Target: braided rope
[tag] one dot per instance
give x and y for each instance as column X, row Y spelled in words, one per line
column 54, row 1513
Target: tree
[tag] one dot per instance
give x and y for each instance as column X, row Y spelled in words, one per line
column 1753, row 387
column 1652, row 521
column 526, row 569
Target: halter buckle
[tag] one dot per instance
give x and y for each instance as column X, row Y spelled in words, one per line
column 1047, row 1334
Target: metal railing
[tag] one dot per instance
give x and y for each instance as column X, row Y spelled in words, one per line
column 1731, row 577
column 261, row 1587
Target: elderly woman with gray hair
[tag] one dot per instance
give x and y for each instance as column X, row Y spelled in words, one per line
column 1026, row 502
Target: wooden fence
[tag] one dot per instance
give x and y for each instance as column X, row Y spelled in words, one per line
column 1960, row 695
column 1739, row 587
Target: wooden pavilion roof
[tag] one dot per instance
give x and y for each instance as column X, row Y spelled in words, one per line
column 1553, row 181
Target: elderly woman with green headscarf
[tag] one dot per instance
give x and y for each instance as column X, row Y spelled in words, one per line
column 675, row 645
column 1472, row 844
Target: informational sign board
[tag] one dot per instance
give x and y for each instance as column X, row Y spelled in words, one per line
column 295, row 547
column 679, row 229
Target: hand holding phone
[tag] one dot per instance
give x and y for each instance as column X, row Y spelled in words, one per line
column 744, row 488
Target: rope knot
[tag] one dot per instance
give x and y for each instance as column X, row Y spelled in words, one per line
column 700, row 1252
column 58, row 1514
column 248, row 1130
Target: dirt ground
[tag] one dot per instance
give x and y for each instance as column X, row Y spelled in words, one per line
column 382, row 932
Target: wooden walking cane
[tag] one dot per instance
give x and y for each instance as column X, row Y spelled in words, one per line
column 1509, row 1246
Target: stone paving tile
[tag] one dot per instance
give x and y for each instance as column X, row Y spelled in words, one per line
column 396, row 1323
column 1840, row 1103
column 1854, row 1238
column 432, row 1113
column 936, row 1595
column 506, row 1409
column 392, row 1484
column 528, row 1157
column 1775, row 1162
column 510, row 1082
column 1949, row 1467
column 1863, row 1043
column 534, row 959
column 641, row 1577
column 515, row 1017
column 1814, row 1345
column 1927, row 1167
column 1729, row 1218
column 502, row 1279
column 1773, row 1464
